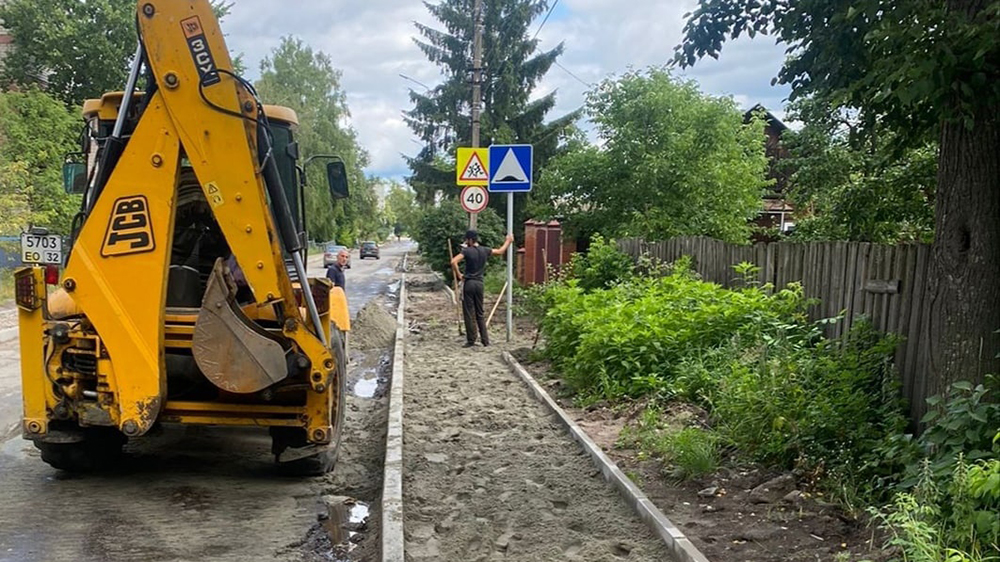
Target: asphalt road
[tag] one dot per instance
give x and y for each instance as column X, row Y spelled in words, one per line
column 10, row 375
column 183, row 493
column 368, row 278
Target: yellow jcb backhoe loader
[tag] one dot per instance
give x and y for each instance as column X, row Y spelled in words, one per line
column 184, row 297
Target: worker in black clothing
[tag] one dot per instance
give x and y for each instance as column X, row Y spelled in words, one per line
column 475, row 257
column 336, row 271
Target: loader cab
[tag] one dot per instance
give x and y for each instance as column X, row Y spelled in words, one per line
column 197, row 239
column 284, row 124
column 292, row 170
column 100, row 115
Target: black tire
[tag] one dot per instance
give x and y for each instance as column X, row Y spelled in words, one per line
column 324, row 460
column 100, row 450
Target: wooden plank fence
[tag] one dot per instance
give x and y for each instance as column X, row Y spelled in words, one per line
column 884, row 283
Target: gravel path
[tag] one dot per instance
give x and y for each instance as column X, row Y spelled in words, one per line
column 488, row 473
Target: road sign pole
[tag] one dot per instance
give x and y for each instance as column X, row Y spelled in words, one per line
column 510, row 268
column 477, row 78
column 510, row 170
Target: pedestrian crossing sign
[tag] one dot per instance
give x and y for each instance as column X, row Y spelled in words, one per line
column 472, row 166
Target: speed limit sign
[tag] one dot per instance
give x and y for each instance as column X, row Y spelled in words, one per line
column 475, row 198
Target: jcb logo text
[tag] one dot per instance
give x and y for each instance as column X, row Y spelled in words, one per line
column 198, row 45
column 129, row 228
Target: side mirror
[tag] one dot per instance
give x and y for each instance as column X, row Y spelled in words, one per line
column 74, row 174
column 336, row 177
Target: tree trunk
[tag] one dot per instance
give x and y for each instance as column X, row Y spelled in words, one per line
column 964, row 284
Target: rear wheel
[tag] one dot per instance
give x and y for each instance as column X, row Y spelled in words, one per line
column 99, row 448
column 315, row 460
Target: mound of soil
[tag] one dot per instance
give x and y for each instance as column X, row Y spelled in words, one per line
column 374, row 327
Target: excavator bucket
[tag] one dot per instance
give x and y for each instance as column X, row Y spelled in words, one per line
column 233, row 353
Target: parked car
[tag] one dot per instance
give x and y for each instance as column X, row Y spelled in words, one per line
column 330, row 255
column 368, row 249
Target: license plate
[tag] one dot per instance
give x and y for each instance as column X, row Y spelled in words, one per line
column 41, row 248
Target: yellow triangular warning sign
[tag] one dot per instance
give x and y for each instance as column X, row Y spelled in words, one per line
column 474, row 171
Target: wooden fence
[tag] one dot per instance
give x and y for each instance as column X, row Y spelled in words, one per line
column 884, row 283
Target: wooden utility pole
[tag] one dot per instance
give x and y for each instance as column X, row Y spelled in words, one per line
column 477, row 78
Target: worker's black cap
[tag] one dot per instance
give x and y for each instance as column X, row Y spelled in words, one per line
column 471, row 235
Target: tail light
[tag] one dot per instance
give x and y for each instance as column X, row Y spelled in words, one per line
column 25, row 294
column 52, row 275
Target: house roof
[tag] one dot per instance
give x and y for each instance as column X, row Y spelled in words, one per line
column 772, row 121
column 777, row 206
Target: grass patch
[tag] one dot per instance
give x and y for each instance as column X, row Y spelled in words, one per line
column 495, row 277
column 686, row 452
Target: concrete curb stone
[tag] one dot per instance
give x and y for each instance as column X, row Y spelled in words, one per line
column 392, row 482
column 680, row 547
column 447, row 289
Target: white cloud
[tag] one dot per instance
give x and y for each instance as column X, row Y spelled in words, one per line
column 371, row 42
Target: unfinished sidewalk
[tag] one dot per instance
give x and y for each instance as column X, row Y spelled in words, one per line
column 488, row 472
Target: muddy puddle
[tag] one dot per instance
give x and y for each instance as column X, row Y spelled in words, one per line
column 372, row 380
column 344, row 524
column 394, row 288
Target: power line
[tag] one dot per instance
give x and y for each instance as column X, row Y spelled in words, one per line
column 554, row 4
column 405, row 77
column 578, row 79
column 549, row 13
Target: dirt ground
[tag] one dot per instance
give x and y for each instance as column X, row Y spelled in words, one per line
column 737, row 514
column 489, row 474
column 352, row 492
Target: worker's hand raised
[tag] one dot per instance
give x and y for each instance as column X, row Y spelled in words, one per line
column 510, row 237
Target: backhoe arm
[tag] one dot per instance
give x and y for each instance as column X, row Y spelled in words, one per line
column 118, row 270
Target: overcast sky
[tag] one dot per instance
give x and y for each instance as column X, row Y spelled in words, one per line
column 371, row 42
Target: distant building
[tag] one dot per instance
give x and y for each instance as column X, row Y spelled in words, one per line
column 776, row 211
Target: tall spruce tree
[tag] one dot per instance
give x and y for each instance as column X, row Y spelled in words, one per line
column 512, row 67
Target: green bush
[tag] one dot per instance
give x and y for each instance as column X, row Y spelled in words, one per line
column 449, row 221
column 602, row 266
column 961, row 423
column 949, row 506
column 495, row 278
column 691, row 452
column 629, row 341
column 824, row 405
column 776, row 390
